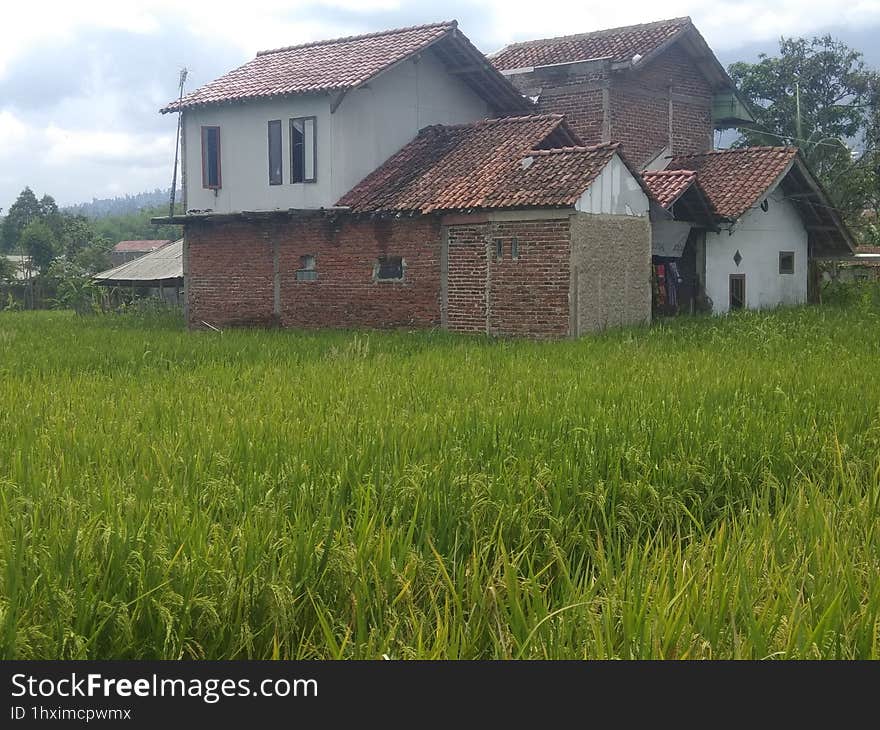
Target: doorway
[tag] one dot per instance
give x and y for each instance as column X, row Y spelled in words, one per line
column 737, row 291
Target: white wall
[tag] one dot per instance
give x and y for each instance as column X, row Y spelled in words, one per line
column 759, row 236
column 614, row 192
column 370, row 125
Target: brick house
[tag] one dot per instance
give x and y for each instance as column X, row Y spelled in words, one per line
column 743, row 225
column 401, row 179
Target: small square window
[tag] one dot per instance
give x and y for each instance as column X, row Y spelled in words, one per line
column 307, row 269
column 499, row 248
column 786, row 262
column 389, row 268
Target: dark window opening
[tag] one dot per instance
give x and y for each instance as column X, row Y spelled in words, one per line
column 737, row 291
column 307, row 269
column 514, row 247
column 211, row 157
column 499, row 248
column 390, row 268
column 786, row 262
column 275, row 172
column 303, row 150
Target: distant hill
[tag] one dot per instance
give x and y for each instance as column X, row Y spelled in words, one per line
column 123, row 205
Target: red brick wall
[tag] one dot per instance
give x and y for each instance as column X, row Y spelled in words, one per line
column 527, row 296
column 640, row 108
column 638, row 101
column 466, row 290
column 231, row 273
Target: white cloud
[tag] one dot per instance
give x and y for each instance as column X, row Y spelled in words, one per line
column 12, row 132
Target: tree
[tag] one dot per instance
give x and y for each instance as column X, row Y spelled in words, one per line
column 819, row 96
column 38, row 241
column 22, row 212
column 7, row 269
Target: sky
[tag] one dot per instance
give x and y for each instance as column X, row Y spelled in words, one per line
column 81, row 82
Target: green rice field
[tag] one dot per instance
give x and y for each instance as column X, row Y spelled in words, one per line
column 704, row 488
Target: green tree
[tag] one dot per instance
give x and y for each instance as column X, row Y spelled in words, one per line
column 38, row 241
column 22, row 212
column 817, row 95
column 7, row 269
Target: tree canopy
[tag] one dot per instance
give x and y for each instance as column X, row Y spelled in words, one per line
column 819, row 95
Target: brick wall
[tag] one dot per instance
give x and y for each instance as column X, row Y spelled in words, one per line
column 638, row 103
column 232, row 270
column 525, row 296
column 611, row 271
column 640, row 108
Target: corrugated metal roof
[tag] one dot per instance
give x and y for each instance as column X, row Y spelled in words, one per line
column 137, row 246
column 160, row 265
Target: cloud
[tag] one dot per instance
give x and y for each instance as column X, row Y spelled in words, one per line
column 81, row 83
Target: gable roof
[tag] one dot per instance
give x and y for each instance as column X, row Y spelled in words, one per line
column 532, row 161
column 341, row 64
column 680, row 192
column 736, row 180
column 667, row 186
column 163, row 264
column 615, row 44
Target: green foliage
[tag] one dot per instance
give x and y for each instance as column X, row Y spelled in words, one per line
column 7, row 269
column 38, row 241
column 74, row 288
column 704, row 488
column 25, row 210
column 838, row 99
column 137, row 226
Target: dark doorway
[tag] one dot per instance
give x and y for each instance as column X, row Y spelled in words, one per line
column 737, row 291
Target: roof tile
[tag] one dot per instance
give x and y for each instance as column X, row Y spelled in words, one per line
column 342, row 63
column 735, row 179
column 494, row 163
column 667, row 186
column 617, row 44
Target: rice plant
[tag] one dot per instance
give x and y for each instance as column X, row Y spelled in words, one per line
column 705, row 488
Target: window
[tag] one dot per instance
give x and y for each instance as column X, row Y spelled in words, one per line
column 737, row 291
column 390, row 268
column 786, row 262
column 499, row 248
column 211, row 157
column 303, row 150
column 514, row 247
column 275, row 152
column 307, row 269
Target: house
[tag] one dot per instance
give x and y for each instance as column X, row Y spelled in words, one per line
column 743, row 224
column 656, row 88
column 864, row 265
column 401, row 179
column 129, row 250
column 158, row 273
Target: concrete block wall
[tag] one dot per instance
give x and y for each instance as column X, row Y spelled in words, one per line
column 610, row 271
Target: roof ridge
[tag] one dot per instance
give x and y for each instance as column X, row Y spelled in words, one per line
column 680, row 171
column 450, row 24
column 491, row 121
column 595, row 33
column 575, row 148
column 729, row 150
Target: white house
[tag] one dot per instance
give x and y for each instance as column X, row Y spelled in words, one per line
column 298, row 127
column 750, row 245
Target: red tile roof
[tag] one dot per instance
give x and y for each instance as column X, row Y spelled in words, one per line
column 341, row 63
column 869, row 250
column 138, row 246
column 494, row 163
column 667, row 186
column 735, row 180
column 616, row 44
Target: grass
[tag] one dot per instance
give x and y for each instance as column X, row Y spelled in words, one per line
column 704, row 488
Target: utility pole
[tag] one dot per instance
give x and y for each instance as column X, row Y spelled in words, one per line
column 182, row 81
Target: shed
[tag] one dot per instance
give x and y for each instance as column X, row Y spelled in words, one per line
column 158, row 273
